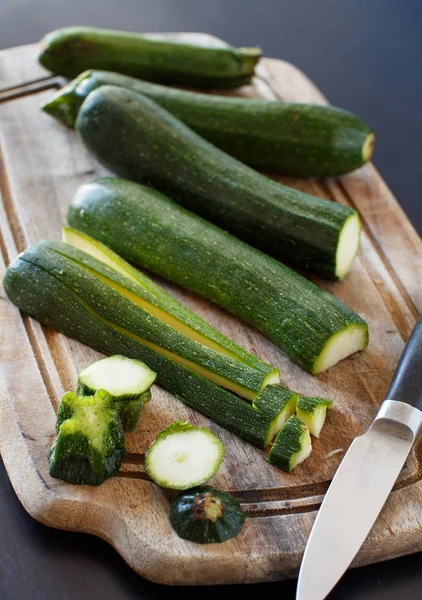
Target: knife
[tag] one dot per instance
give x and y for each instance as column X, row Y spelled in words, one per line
column 364, row 478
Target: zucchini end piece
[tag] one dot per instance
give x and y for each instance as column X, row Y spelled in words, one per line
column 348, row 245
column 353, row 338
column 292, row 445
column 312, row 412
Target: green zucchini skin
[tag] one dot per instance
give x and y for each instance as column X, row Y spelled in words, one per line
column 70, row 50
column 50, row 301
column 74, row 456
column 151, row 146
column 292, row 440
column 206, row 516
column 302, row 140
column 152, row 231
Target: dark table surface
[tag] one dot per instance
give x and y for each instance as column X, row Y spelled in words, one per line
column 365, row 56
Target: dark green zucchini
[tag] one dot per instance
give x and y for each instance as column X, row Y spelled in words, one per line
column 303, row 140
column 71, row 50
column 279, row 403
column 206, row 516
column 313, row 327
column 139, row 140
column 71, row 307
column 312, row 412
column 89, row 446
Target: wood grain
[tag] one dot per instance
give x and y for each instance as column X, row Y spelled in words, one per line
column 41, row 166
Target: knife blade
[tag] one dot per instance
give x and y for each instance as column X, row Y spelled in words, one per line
column 364, row 479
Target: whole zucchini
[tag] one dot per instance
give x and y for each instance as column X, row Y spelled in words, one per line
column 139, row 140
column 71, row 307
column 71, row 50
column 313, row 327
column 303, row 140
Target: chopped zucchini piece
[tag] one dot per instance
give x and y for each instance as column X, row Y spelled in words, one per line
column 291, row 446
column 183, row 456
column 127, row 380
column 206, row 516
column 89, row 446
column 279, row 403
column 123, row 378
column 312, row 412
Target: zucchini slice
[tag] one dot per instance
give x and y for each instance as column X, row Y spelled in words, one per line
column 183, row 456
column 206, row 516
column 279, row 403
column 89, row 446
column 123, row 378
column 312, row 412
column 291, row 446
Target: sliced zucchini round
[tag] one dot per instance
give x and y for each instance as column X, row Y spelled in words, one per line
column 123, row 378
column 183, row 456
column 206, row 516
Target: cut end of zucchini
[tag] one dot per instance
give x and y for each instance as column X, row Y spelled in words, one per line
column 341, row 345
column 312, row 412
column 368, row 147
column 272, row 378
column 348, row 245
column 183, row 456
column 124, row 378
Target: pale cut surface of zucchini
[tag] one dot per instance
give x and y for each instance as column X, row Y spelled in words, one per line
column 183, row 456
column 292, row 445
column 348, row 245
column 279, row 403
column 341, row 345
column 312, row 412
column 123, row 378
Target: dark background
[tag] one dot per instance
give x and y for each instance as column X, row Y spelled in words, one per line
column 366, row 56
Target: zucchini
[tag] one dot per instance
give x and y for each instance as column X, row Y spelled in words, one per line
column 183, row 456
column 302, row 140
column 70, row 50
column 89, row 446
column 312, row 412
column 291, row 446
column 166, row 308
column 125, row 379
column 279, row 403
column 151, row 146
column 314, row 328
column 41, row 293
column 206, row 516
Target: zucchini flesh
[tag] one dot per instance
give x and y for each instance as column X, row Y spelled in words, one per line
column 279, row 403
column 277, row 219
column 165, row 307
column 314, row 328
column 94, row 281
column 205, row 516
column 302, row 140
column 89, row 446
column 183, row 456
column 291, row 446
column 312, row 412
column 123, row 378
column 70, row 50
column 51, row 302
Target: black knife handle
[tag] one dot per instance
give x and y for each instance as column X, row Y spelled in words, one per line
column 407, row 381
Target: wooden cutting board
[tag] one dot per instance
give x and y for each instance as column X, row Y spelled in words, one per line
column 41, row 165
